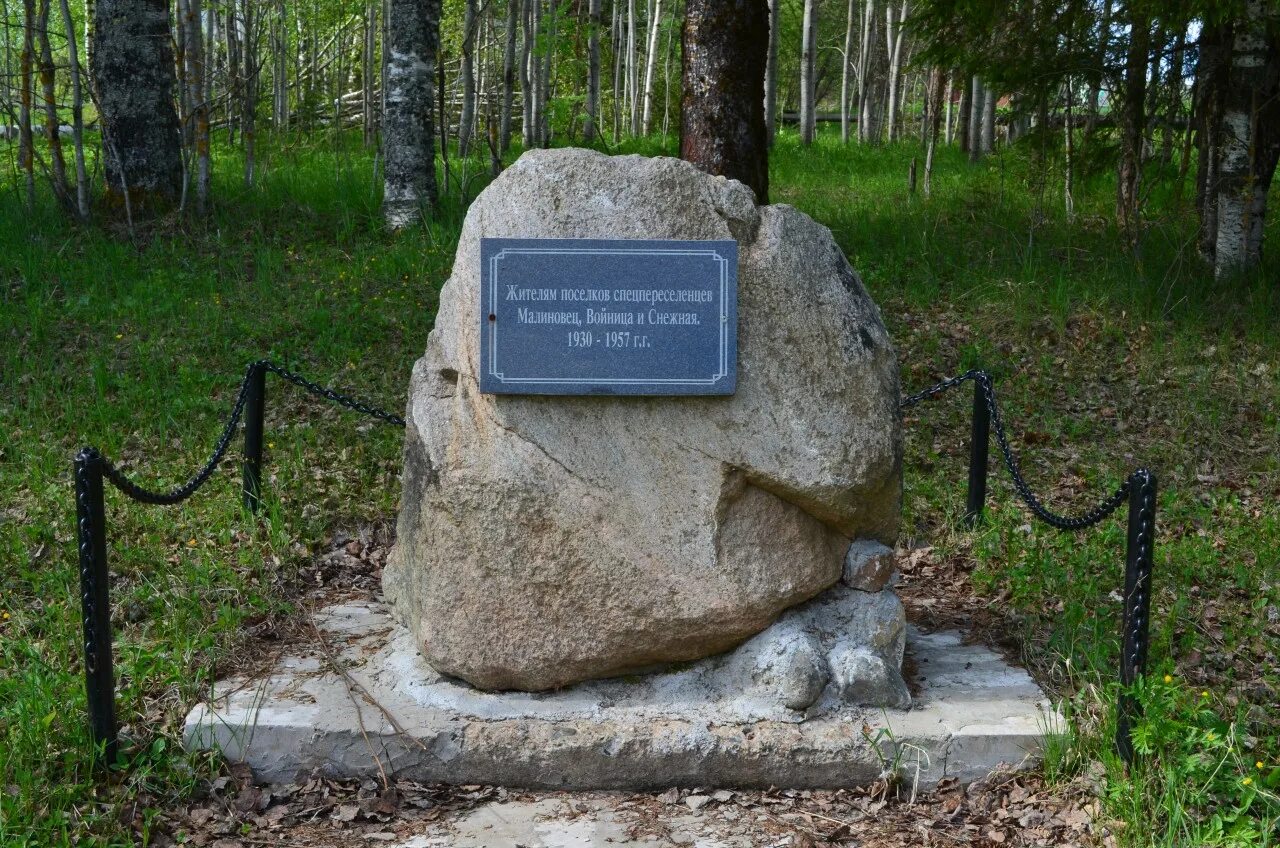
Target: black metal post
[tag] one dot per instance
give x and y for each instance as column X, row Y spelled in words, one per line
column 1139, row 550
column 254, row 409
column 95, row 602
column 979, row 442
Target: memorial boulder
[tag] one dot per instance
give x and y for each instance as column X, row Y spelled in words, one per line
column 546, row 540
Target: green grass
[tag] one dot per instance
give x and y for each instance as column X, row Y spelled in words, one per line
column 1105, row 360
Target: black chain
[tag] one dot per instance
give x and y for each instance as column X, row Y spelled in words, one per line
column 197, row 480
column 1033, row 503
column 330, row 394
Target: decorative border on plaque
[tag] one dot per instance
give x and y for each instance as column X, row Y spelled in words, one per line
column 721, row 372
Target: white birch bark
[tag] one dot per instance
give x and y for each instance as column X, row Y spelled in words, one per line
column 807, row 66
column 467, row 120
column 771, row 75
column 593, row 71
column 77, row 113
column 893, row 35
column 650, row 61
column 408, row 135
column 1246, row 154
column 846, row 71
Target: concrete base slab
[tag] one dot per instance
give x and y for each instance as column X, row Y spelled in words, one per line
column 365, row 701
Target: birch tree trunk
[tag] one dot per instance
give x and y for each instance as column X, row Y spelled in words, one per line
column 633, row 70
column 1132, row 122
column 977, row 100
column 26, row 98
column 726, row 44
column 77, row 114
column 527, row 77
column 133, row 71
column 468, row 117
column 650, row 61
column 1250, row 140
column 408, row 137
column 808, row 45
column 846, row 69
column 1095, row 81
column 893, row 33
column 934, row 125
column 593, row 71
column 197, row 70
column 987, row 134
column 544, row 94
column 618, row 68
column 367, row 76
column 249, row 106
column 868, row 125
column 57, row 162
column 771, row 75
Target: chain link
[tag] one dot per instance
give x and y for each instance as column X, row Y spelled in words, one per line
column 330, row 394
column 1037, row 507
column 187, row 489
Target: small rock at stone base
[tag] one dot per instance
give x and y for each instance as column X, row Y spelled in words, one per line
column 862, row 676
column 869, row 566
column 792, row 666
column 697, row 802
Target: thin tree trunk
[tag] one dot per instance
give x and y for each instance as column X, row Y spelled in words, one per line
column 1174, row 82
column 988, row 134
column 249, row 111
column 527, row 94
column 868, row 127
column 771, row 75
column 846, row 70
column 934, row 126
column 58, row 163
column 633, row 70
column 26, row 98
column 548, row 67
column 893, row 31
column 650, row 61
column 1069, row 148
column 949, row 127
column 196, row 71
column 977, row 100
column 808, row 83
column 1132, row 120
column 413, row 32
column 1095, row 82
column 726, row 43
column 77, row 115
column 468, row 117
column 370, row 45
column 593, row 72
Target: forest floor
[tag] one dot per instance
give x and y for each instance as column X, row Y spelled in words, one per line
column 1106, row 357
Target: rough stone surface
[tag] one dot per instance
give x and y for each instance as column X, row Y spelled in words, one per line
column 869, row 566
column 971, row 713
column 544, row 541
column 864, row 677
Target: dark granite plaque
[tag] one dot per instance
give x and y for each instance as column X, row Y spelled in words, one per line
column 608, row 317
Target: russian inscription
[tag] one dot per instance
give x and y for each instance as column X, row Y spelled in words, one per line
column 616, row 317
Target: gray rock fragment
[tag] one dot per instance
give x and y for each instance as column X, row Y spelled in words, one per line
column 869, row 566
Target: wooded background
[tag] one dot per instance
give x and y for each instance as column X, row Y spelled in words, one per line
column 116, row 103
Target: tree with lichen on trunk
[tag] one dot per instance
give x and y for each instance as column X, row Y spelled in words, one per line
column 722, row 129
column 408, row 139
column 133, row 72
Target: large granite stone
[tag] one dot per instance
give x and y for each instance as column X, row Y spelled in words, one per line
column 548, row 540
